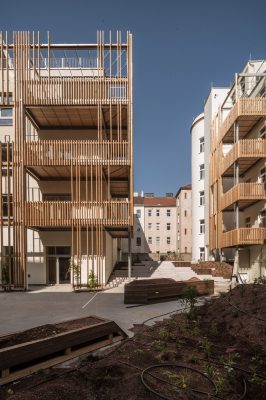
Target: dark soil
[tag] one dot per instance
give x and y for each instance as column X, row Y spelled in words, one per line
column 224, row 344
column 45, row 331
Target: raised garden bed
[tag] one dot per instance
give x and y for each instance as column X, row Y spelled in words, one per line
column 149, row 290
column 29, row 351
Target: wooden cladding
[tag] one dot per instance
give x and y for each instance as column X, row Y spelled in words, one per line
column 245, row 148
column 78, row 152
column 243, row 236
column 244, row 191
column 68, row 213
column 76, row 91
column 244, row 107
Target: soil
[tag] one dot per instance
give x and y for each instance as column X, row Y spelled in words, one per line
column 218, row 343
column 45, row 331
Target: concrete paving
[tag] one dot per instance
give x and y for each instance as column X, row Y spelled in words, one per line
column 24, row 310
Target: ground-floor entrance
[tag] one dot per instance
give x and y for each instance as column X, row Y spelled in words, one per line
column 58, row 264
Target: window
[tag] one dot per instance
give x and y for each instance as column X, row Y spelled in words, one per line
column 178, row 218
column 6, row 116
column 7, row 138
column 263, row 219
column 202, row 254
column 138, row 241
column 149, row 212
column 201, row 145
column 247, row 222
column 4, row 152
column 201, row 198
column 168, row 240
column 202, row 226
column 7, row 206
column 263, row 133
column 157, row 226
column 157, row 213
column 138, row 213
column 149, row 226
column 185, row 249
column 185, row 213
column 202, row 172
column 263, row 175
column 150, row 240
column 185, row 231
column 168, row 213
column 158, row 240
column 168, row 226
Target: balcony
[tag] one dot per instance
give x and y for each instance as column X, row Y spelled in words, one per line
column 72, row 91
column 247, row 152
column 247, row 111
column 67, row 213
column 70, row 152
column 243, row 193
column 243, row 236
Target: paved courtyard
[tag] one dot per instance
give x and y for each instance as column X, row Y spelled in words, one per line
column 23, row 310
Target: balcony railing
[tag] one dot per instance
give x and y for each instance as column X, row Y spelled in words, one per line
column 248, row 148
column 255, row 106
column 76, row 91
column 68, row 213
column 243, row 236
column 244, row 191
column 78, row 152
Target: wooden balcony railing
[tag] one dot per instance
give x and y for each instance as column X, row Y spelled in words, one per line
column 255, row 106
column 68, row 213
column 244, row 191
column 76, row 91
column 243, row 236
column 78, row 152
column 249, row 148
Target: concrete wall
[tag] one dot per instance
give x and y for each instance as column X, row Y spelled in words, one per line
column 184, row 224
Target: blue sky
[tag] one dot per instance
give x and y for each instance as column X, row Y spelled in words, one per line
column 181, row 48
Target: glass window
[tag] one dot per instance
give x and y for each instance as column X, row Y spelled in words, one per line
column 185, row 195
column 6, row 116
column 168, row 213
column 263, row 219
column 157, row 213
column 202, row 254
column 149, row 226
column 202, row 172
column 158, row 240
column 263, row 175
column 247, row 222
column 157, row 226
column 150, row 240
column 185, row 213
column 202, row 198
column 185, row 249
column 7, row 206
column 263, row 133
column 168, row 226
column 138, row 241
column 185, row 231
column 202, row 226
column 138, row 213
column 149, row 212
column 168, row 240
column 201, row 144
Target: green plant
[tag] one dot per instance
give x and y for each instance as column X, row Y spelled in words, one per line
column 193, row 359
column 179, row 379
column 229, row 363
column 260, row 281
column 255, row 378
column 75, row 269
column 206, row 346
column 214, row 330
column 164, row 334
column 189, row 299
column 92, row 280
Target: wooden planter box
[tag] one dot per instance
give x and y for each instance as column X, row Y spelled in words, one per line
column 25, row 358
column 150, row 290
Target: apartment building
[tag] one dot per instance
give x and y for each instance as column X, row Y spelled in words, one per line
column 200, row 170
column 154, row 225
column 237, row 174
column 66, row 158
column 184, row 223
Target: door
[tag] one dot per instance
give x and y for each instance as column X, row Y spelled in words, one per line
column 52, row 270
column 64, row 272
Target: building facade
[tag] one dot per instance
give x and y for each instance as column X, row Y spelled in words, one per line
column 184, row 223
column 200, row 169
column 66, row 156
column 237, row 175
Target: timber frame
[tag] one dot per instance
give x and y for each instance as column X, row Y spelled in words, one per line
column 50, row 90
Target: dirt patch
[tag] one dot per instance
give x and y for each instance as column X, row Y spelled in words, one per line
column 214, row 268
column 45, row 331
column 215, row 345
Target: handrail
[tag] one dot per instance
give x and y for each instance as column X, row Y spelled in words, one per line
column 244, row 191
column 243, row 236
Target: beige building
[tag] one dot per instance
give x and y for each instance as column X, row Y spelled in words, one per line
column 238, row 174
column 184, row 223
column 66, row 152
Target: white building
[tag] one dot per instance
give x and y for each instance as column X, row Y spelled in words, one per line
column 200, row 156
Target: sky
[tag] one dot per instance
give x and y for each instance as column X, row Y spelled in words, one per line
column 180, row 50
